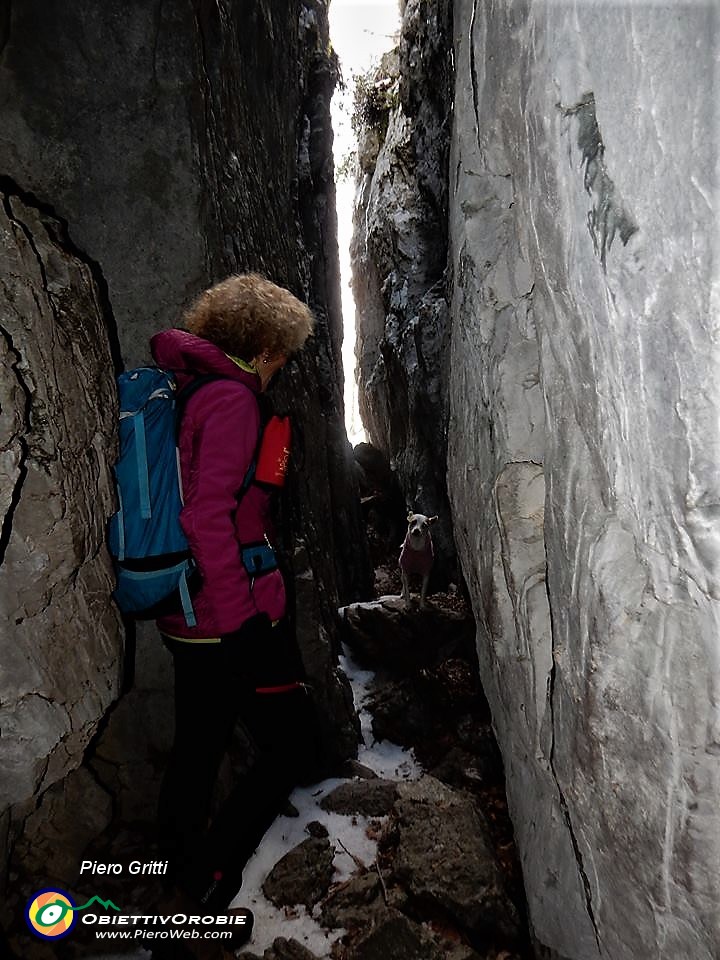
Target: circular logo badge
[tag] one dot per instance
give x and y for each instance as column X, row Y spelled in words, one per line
column 50, row 914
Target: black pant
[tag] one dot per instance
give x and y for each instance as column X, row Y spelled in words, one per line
column 210, row 696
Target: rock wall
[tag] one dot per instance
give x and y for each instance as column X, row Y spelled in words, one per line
column 60, row 641
column 583, row 454
column 399, row 254
column 583, row 439
column 180, row 142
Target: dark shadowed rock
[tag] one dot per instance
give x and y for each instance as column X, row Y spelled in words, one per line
column 128, row 758
column 370, row 798
column 399, row 715
column 56, row 834
column 317, row 830
column 388, row 636
column 383, row 504
column 353, row 768
column 398, row 937
column 461, row 768
column 302, row 876
column 353, row 904
column 282, row 949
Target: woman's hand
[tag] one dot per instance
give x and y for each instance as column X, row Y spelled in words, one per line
column 263, row 654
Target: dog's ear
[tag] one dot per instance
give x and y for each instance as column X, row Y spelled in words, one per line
column 410, row 516
column 431, row 519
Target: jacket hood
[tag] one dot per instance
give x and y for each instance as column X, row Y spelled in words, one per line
column 188, row 355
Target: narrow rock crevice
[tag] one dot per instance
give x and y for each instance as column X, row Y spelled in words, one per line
column 474, row 76
column 564, row 806
column 21, row 444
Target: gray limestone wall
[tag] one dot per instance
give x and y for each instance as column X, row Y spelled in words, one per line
column 584, row 453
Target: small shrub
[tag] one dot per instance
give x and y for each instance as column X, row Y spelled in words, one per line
column 374, row 96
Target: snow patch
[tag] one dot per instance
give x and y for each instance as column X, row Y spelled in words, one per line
column 348, row 834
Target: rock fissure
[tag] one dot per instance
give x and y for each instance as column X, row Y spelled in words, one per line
column 35, row 694
column 19, row 441
column 564, row 806
column 442, row 884
column 473, row 72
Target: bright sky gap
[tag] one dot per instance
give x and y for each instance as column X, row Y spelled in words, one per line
column 360, row 31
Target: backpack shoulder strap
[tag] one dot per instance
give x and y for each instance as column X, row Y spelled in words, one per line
column 181, row 401
column 182, row 397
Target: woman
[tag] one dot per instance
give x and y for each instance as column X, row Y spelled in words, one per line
column 241, row 332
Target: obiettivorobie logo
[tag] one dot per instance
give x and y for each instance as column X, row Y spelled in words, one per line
column 52, row 914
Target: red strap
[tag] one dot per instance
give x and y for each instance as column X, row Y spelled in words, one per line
column 286, row 688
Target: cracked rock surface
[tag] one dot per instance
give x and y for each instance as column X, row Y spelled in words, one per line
column 583, row 456
column 59, row 633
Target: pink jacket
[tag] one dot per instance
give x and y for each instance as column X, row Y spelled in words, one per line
column 218, row 437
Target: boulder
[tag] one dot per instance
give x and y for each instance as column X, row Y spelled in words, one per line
column 440, row 851
column 282, row 949
column 390, row 637
column 400, row 716
column 303, row 875
column 396, row 936
column 369, row 798
column 354, row 904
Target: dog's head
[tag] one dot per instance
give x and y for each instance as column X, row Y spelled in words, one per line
column 419, row 529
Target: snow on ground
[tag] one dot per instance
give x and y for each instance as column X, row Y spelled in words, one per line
column 382, row 757
column 347, row 833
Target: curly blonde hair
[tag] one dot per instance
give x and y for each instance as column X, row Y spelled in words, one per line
column 247, row 315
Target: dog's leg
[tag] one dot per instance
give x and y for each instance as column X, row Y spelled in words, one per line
column 405, row 588
column 423, row 590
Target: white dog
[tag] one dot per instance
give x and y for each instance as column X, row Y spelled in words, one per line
column 417, row 554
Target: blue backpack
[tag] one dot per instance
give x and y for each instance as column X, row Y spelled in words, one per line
column 155, row 572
